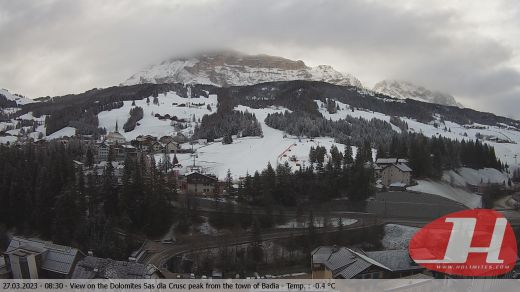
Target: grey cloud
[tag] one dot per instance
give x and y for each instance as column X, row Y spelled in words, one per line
column 59, row 46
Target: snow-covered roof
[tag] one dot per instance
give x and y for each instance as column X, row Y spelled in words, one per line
column 398, row 185
column 56, row 258
column 395, row 260
column 403, row 167
column 198, row 173
column 98, row 268
column 391, row 160
column 347, row 263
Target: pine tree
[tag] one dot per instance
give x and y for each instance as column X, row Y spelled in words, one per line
column 381, row 152
column 67, row 211
column 227, row 139
column 257, row 253
column 348, row 158
column 229, row 182
column 336, row 158
column 89, row 160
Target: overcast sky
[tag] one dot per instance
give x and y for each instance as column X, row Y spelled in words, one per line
column 468, row 49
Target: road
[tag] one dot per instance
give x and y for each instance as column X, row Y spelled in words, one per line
column 159, row 253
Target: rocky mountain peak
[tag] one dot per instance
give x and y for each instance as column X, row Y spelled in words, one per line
column 231, row 68
column 404, row 89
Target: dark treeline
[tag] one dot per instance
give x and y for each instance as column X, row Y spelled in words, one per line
column 298, row 96
column 346, row 131
column 85, row 120
column 4, row 102
column 225, row 124
column 428, row 157
column 87, row 124
column 136, row 114
column 43, row 195
column 321, row 180
column 301, row 95
column 516, row 175
column 334, row 173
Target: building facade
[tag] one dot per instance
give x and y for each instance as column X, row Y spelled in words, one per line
column 393, row 172
column 37, row 259
column 199, row 184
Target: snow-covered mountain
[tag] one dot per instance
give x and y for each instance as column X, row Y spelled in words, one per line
column 232, row 68
column 404, row 89
column 20, row 100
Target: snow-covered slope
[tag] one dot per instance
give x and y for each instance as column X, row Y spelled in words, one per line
column 249, row 154
column 20, row 100
column 449, row 192
column 506, row 148
column 464, row 176
column 404, row 89
column 244, row 155
column 169, row 103
column 233, row 68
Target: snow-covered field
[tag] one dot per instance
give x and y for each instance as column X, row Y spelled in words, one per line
column 150, row 125
column 7, row 139
column 249, row 154
column 447, row 191
column 345, row 110
column 397, row 236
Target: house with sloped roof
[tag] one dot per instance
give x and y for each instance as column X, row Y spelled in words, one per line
column 393, row 172
column 115, row 138
column 332, row 262
column 37, row 259
column 197, row 183
column 100, row 268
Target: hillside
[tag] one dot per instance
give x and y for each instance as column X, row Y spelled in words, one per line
column 102, row 108
column 8, row 99
column 229, row 68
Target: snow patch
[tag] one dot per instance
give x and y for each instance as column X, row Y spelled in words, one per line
column 65, row 132
column 446, row 191
column 463, row 176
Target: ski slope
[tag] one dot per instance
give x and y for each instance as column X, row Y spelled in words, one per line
column 250, row 154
